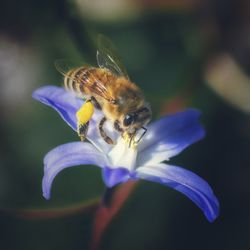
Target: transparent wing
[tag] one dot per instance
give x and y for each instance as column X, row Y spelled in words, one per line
column 89, row 80
column 65, row 65
column 107, row 57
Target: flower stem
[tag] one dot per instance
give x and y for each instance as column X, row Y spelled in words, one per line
column 107, row 196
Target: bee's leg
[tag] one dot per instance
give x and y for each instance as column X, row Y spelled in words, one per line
column 103, row 133
column 82, row 130
column 132, row 139
column 96, row 103
column 117, row 126
column 83, row 116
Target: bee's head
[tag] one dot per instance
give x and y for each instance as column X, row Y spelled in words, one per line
column 137, row 119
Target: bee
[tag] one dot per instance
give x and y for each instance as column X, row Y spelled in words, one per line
column 109, row 89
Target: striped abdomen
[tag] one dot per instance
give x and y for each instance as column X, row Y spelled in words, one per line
column 90, row 81
column 76, row 80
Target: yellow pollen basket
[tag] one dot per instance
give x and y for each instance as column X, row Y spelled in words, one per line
column 85, row 113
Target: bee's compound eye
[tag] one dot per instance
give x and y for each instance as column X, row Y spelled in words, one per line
column 128, row 120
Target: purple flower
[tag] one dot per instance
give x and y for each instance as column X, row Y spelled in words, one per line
column 164, row 139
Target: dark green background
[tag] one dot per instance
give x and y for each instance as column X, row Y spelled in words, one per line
column 165, row 50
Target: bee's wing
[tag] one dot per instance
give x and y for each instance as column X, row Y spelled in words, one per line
column 107, row 57
column 91, row 82
column 64, row 66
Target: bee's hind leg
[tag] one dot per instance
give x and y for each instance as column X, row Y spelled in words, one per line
column 83, row 115
column 82, row 130
column 103, row 133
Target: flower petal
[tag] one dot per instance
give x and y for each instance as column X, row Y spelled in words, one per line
column 68, row 155
column 64, row 102
column 185, row 182
column 113, row 176
column 169, row 136
column 67, row 104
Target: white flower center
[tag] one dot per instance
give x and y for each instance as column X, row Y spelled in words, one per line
column 121, row 155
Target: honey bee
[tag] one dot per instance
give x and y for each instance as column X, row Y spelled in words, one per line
column 107, row 88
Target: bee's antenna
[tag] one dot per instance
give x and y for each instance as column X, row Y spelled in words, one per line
column 145, row 131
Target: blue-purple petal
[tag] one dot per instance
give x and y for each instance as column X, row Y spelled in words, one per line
column 67, row 104
column 64, row 102
column 69, row 155
column 114, row 176
column 169, row 136
column 186, row 182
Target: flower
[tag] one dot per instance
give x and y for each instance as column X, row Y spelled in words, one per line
column 164, row 139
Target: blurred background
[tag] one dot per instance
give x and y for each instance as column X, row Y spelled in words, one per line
column 182, row 53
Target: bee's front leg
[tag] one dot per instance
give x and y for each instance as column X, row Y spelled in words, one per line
column 117, row 126
column 83, row 115
column 103, row 133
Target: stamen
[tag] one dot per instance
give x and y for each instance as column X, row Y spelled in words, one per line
column 134, row 139
column 129, row 139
